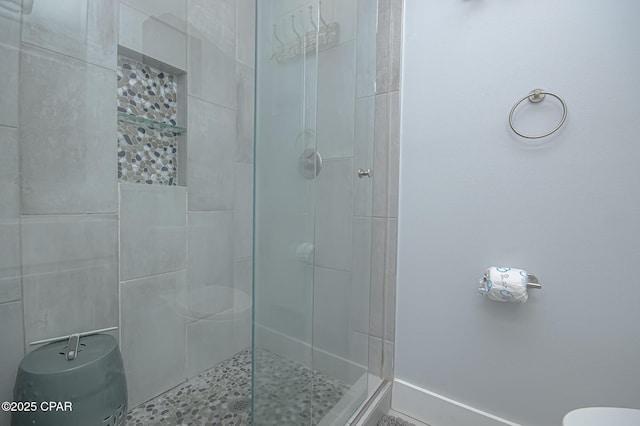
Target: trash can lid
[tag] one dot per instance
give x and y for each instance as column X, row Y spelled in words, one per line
column 51, row 358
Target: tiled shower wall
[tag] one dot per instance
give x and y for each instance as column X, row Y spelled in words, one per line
column 79, row 251
column 385, row 187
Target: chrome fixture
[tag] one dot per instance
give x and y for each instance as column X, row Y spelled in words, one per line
column 364, row 172
column 535, row 96
column 309, row 163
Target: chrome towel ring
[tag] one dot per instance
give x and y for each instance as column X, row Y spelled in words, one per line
column 536, row 96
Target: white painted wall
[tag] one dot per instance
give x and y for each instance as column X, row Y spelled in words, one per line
column 567, row 209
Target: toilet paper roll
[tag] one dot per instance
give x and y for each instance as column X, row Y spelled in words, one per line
column 504, row 284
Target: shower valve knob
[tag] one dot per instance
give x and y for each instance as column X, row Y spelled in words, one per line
column 364, row 172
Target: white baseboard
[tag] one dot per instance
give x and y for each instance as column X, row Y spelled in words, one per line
column 438, row 410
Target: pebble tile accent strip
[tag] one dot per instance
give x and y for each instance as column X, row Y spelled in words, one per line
column 146, row 155
column 146, row 91
column 287, row 393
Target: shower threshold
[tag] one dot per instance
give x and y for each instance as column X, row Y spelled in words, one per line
column 287, row 393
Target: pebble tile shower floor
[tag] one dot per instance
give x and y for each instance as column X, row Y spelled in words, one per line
column 387, row 420
column 220, row 396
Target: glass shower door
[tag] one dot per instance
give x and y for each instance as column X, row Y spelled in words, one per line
column 312, row 210
column 284, row 204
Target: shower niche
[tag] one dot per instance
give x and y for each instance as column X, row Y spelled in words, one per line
column 152, row 117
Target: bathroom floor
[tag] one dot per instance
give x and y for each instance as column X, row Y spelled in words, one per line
column 220, row 396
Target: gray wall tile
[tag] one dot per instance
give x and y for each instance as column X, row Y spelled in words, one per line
column 10, row 23
column 211, row 341
column 361, row 274
column 212, row 148
column 376, row 297
column 387, row 360
column 395, row 45
column 358, row 352
column 12, row 351
column 243, row 211
column 382, row 46
column 245, row 85
column 363, row 155
column 336, row 97
column 210, row 245
column 366, row 48
column 381, row 156
column 393, row 181
column 331, row 311
column 242, row 322
column 153, row 334
column 171, row 12
column 214, row 20
column 153, row 36
column 375, row 356
column 212, row 72
column 245, row 32
column 152, row 230
column 204, row 348
column 333, row 214
column 67, row 139
column 9, row 67
column 212, row 51
column 10, row 285
column 82, row 29
column 9, row 177
column 242, row 275
column 69, row 261
column 390, row 281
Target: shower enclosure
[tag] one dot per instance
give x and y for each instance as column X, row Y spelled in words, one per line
column 126, row 184
column 315, row 68
column 312, row 211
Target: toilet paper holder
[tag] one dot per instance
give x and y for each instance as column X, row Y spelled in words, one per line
column 505, row 284
column 532, row 282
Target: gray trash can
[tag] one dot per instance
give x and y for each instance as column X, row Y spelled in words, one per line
column 88, row 390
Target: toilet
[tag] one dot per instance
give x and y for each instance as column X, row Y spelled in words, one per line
column 602, row 416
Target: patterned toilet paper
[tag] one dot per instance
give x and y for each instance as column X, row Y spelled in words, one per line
column 504, row 284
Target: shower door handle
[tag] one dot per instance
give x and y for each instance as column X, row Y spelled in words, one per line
column 364, row 172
